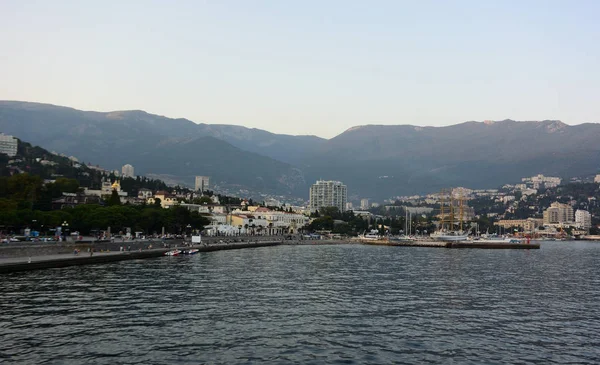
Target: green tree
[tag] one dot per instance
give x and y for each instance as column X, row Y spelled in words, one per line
column 114, row 198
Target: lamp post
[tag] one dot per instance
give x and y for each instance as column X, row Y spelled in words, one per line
column 65, row 229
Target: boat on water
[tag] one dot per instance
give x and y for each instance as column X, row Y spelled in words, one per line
column 499, row 240
column 450, row 226
column 192, row 251
column 402, row 239
column 173, row 253
column 372, row 235
column 450, row 236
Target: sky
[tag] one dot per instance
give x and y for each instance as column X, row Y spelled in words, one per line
column 307, row 67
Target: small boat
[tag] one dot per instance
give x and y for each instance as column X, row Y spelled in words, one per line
column 452, row 236
column 402, row 239
column 192, row 251
column 173, row 253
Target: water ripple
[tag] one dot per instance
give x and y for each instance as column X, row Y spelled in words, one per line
column 312, row 305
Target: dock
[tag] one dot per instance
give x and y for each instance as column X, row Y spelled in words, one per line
column 461, row 244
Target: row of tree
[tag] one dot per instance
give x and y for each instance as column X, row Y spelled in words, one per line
column 26, row 202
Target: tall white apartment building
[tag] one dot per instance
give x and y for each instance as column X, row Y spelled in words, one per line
column 8, row 145
column 201, row 184
column 583, row 219
column 127, row 171
column 328, row 194
column 364, row 204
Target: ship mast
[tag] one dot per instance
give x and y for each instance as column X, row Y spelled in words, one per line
column 442, row 216
column 461, row 209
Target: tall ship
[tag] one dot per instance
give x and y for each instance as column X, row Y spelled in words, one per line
column 450, row 228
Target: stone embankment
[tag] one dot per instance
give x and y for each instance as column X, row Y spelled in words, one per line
column 75, row 254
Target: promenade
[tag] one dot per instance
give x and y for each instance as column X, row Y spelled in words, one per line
column 24, row 260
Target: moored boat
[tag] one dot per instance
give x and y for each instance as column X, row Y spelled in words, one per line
column 173, row 253
column 450, row 236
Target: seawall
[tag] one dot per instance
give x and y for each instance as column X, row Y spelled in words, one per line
column 37, row 262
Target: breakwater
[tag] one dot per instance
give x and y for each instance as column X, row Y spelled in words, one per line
column 462, row 244
column 37, row 262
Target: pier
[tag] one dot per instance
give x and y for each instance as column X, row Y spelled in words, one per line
column 459, row 244
column 47, row 261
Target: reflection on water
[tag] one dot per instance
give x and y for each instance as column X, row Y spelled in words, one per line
column 312, row 304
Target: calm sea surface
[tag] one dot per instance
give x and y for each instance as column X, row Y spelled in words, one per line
column 346, row 304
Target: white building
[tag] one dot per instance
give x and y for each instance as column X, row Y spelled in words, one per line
column 558, row 214
column 201, row 183
column 583, row 219
column 349, row 206
column 127, row 171
column 597, row 179
column 364, row 204
column 8, row 145
column 144, row 193
column 542, row 181
column 328, row 194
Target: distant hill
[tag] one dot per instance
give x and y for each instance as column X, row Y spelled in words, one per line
column 374, row 161
column 387, row 160
column 157, row 145
column 68, row 129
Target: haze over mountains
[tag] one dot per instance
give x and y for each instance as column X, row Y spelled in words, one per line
column 374, row 161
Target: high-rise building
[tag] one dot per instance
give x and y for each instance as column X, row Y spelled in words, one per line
column 201, row 183
column 583, row 219
column 8, row 145
column 558, row 213
column 364, row 204
column 127, row 171
column 328, row 194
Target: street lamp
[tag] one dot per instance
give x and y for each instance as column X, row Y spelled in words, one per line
column 65, row 229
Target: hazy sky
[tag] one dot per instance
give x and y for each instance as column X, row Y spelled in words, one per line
column 307, row 67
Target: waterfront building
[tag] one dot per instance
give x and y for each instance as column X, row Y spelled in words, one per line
column 201, row 183
column 328, row 194
column 528, row 225
column 558, row 213
column 583, row 219
column 127, row 171
column 8, row 145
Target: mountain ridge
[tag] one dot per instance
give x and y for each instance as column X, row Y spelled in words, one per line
column 376, row 161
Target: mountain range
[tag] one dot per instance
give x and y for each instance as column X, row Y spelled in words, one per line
column 375, row 161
